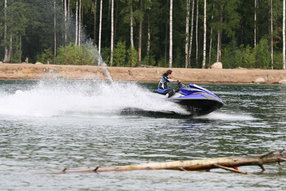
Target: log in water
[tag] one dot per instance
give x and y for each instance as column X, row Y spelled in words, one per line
column 192, row 165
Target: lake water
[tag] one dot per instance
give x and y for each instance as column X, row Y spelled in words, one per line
column 46, row 126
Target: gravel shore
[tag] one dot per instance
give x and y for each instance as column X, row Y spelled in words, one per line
column 83, row 72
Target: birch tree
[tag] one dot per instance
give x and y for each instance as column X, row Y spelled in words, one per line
column 55, row 32
column 95, row 21
column 205, row 35
column 171, row 35
column 131, row 25
column 187, row 32
column 192, row 32
column 112, row 32
column 76, row 22
column 79, row 22
column 100, row 26
column 197, row 33
column 65, row 21
column 140, row 34
column 211, row 37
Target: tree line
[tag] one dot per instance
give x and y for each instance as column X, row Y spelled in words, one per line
column 163, row 33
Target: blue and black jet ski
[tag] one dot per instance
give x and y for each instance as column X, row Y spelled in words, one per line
column 196, row 99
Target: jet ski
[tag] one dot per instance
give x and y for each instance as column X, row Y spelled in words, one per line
column 196, row 99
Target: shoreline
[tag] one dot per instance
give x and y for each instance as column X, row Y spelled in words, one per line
column 88, row 72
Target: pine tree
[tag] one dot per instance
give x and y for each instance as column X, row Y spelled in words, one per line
column 283, row 34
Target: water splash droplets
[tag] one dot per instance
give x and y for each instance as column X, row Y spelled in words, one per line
column 60, row 98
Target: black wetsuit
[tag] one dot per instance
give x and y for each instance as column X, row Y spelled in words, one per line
column 163, row 86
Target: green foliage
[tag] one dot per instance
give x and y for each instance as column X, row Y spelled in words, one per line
column 228, row 57
column 16, row 57
column 76, row 55
column 105, row 53
column 238, row 58
column 262, row 54
column 161, row 62
column 149, row 61
column 258, row 57
column 30, row 22
column 248, row 57
column 179, row 59
column 45, row 57
column 132, row 57
column 233, row 57
column 120, row 54
column 278, row 60
column 18, row 17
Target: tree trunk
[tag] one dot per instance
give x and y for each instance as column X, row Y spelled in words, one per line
column 76, row 22
column 148, row 39
column 55, row 33
column 79, row 22
column 94, row 21
column 211, row 39
column 112, row 32
column 109, row 7
column 255, row 5
column 116, row 18
column 10, row 51
column 20, row 48
column 65, row 24
column 219, row 36
column 140, row 36
column 5, row 32
column 226, row 163
column 166, row 45
column 192, row 31
column 100, row 25
column 68, row 15
column 197, row 34
column 283, row 34
column 68, row 7
column 171, row 35
column 187, row 33
column 271, row 33
column 131, row 26
column 205, row 35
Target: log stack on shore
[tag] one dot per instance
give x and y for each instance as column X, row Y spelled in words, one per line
column 83, row 72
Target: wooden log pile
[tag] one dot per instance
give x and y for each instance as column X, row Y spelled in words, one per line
column 228, row 163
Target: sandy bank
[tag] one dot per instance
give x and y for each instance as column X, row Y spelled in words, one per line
column 32, row 71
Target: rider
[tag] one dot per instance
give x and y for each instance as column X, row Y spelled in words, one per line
column 163, row 84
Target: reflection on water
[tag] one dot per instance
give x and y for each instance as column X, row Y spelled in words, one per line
column 48, row 126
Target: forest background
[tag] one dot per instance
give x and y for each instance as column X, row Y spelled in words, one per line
column 161, row 33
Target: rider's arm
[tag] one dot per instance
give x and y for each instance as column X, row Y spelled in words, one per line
column 171, row 80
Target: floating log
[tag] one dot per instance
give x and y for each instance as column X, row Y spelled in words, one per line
column 228, row 163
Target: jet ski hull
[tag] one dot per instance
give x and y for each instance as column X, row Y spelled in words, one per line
column 197, row 100
column 199, row 107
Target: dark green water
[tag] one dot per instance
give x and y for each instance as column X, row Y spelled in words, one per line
column 48, row 126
